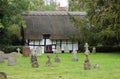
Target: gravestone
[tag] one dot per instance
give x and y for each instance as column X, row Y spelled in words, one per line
column 33, row 51
column 94, row 50
column 3, row 75
column 12, row 60
column 66, row 49
column 86, row 49
column 96, row 66
column 26, row 51
column 74, row 56
column 34, row 61
column 1, row 56
column 38, row 51
column 18, row 50
column 57, row 59
column 86, row 64
column 48, row 63
column 58, row 49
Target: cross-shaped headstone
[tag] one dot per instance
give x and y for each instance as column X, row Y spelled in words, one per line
column 18, row 50
column 86, row 49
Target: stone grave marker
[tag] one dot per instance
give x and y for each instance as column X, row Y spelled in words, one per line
column 66, row 49
column 74, row 56
column 96, row 66
column 57, row 59
column 38, row 51
column 94, row 50
column 12, row 60
column 3, row 75
column 1, row 56
column 26, row 51
column 33, row 51
column 86, row 65
column 58, row 49
column 86, row 62
column 34, row 61
column 18, row 50
column 86, row 49
column 48, row 63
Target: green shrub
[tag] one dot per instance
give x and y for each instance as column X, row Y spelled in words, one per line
column 9, row 49
column 107, row 48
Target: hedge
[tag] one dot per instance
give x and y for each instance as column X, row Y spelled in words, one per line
column 102, row 49
column 9, row 49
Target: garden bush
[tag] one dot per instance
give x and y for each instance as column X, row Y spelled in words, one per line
column 9, row 49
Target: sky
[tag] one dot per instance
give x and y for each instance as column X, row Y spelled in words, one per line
column 63, row 3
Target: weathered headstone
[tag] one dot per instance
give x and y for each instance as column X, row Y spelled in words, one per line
column 33, row 51
column 18, row 50
column 58, row 49
column 26, row 51
column 74, row 56
column 86, row 62
column 66, row 49
column 57, row 59
column 86, row 65
column 96, row 66
column 94, row 50
column 34, row 61
column 86, row 49
column 38, row 51
column 3, row 75
column 48, row 63
column 12, row 60
column 1, row 56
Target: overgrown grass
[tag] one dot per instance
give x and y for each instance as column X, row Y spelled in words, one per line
column 66, row 69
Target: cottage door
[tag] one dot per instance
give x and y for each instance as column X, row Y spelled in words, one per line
column 48, row 48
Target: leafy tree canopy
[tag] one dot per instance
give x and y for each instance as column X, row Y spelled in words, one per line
column 103, row 17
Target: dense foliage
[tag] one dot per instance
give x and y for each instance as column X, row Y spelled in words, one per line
column 101, row 26
column 11, row 21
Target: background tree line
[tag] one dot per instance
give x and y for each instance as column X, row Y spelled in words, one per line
column 101, row 26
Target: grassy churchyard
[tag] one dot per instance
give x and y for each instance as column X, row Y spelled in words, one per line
column 67, row 69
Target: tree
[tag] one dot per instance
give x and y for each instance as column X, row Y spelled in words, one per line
column 103, row 17
column 10, row 13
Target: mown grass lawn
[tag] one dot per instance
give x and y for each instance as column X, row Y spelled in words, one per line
column 66, row 69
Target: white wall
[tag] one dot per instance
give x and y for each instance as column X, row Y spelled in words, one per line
column 69, row 44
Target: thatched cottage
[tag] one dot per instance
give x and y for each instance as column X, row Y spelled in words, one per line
column 49, row 29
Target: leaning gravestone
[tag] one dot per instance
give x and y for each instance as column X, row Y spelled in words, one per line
column 57, row 59
column 48, row 63
column 26, row 51
column 34, row 61
column 12, row 60
column 1, row 56
column 3, row 75
column 74, row 56
column 38, row 51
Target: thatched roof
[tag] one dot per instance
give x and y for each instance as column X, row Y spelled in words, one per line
column 55, row 23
